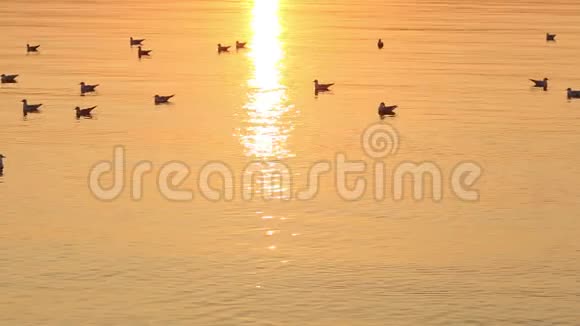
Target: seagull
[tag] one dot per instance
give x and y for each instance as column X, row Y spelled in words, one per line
column 550, row 37
column 321, row 87
column 162, row 99
column 240, row 45
column 134, row 41
column 386, row 110
column 84, row 112
column 7, row 79
column 573, row 94
column 540, row 83
column 32, row 48
column 2, row 157
column 223, row 48
column 87, row 88
column 142, row 52
column 29, row 108
column 380, row 44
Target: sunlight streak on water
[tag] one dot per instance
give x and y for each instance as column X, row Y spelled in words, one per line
column 266, row 134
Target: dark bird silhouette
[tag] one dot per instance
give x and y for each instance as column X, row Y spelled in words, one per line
column 87, row 88
column 572, row 93
column 2, row 157
column 321, row 87
column 540, row 83
column 223, row 48
column 143, row 53
column 380, row 44
column 7, row 79
column 32, row 48
column 84, row 112
column 550, row 37
column 29, row 108
column 162, row 99
column 386, row 110
column 240, row 45
column 133, row 41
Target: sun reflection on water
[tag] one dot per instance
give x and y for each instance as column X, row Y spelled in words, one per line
column 266, row 132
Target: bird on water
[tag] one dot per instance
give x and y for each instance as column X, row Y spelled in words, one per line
column 162, row 99
column 84, row 112
column 541, row 83
column 386, row 110
column 86, row 88
column 29, row 108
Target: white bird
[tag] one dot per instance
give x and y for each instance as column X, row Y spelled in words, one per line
column 573, row 94
column 162, row 99
column 543, row 83
column 321, row 87
column 134, row 41
column 29, row 108
column 386, row 110
column 6, row 79
column 223, row 48
column 32, row 48
column 87, row 88
column 143, row 53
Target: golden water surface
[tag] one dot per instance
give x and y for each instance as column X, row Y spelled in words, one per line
column 458, row 71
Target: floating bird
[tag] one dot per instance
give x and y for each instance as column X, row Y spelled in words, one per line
column 540, row 83
column 29, row 108
column 2, row 157
column 386, row 110
column 240, row 45
column 162, row 99
column 380, row 44
column 7, row 79
column 223, row 48
column 550, row 37
column 573, row 94
column 321, row 87
column 143, row 53
column 134, row 41
column 87, row 88
column 32, row 48
column 84, row 112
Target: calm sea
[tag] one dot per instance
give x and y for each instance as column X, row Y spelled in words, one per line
column 458, row 71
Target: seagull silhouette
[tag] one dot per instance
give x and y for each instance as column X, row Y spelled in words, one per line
column 2, row 157
column 143, row 53
column 223, row 48
column 321, row 87
column 543, row 83
column 84, row 112
column 162, row 99
column 386, row 110
column 87, row 88
column 573, row 94
column 32, row 48
column 240, row 45
column 133, row 41
column 29, row 108
column 6, row 79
